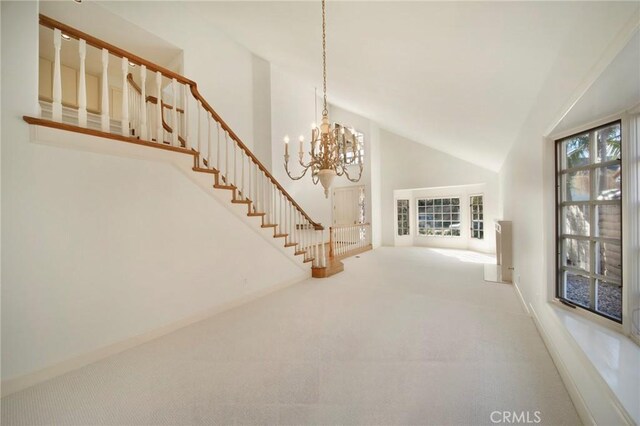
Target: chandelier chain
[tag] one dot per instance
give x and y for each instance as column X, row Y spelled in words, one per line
column 324, row 59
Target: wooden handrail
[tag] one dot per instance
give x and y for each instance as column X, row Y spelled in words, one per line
column 350, row 226
column 134, row 84
column 154, row 100
column 225, row 126
column 116, row 51
column 150, row 98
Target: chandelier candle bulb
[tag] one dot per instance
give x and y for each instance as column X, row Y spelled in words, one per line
column 286, row 145
column 301, row 139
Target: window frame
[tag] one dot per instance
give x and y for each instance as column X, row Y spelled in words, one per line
column 559, row 172
column 439, row 197
column 407, row 217
column 360, row 153
column 472, row 220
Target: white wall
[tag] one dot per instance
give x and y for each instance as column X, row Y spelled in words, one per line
column 408, row 165
column 464, row 241
column 99, row 248
column 261, row 71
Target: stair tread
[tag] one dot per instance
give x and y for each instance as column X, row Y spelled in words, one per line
column 291, row 244
column 203, row 170
column 256, row 214
column 229, row 187
column 280, row 235
column 237, row 201
column 311, row 259
column 269, row 225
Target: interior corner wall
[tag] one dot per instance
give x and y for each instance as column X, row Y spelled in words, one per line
column 406, row 164
column 99, row 249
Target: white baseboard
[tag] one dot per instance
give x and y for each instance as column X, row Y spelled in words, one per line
column 521, row 298
column 13, row 385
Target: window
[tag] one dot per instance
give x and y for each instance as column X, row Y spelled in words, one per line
column 349, row 153
column 589, row 225
column 477, row 217
column 439, row 217
column 403, row 217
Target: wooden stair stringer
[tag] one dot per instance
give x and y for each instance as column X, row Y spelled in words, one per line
column 46, row 131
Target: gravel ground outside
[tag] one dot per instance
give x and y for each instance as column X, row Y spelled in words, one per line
column 609, row 296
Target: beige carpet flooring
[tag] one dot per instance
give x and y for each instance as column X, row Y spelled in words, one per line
column 403, row 336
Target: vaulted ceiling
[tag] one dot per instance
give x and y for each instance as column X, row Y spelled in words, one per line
column 456, row 76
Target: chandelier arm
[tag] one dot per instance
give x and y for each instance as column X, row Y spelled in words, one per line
column 286, row 168
column 346, row 173
column 309, row 164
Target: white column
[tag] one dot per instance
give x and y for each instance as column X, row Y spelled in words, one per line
column 143, row 103
column 105, row 92
column 159, row 128
column 174, row 114
column 82, row 86
column 125, row 98
column 57, row 77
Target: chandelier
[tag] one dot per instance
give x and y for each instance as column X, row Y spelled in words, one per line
column 333, row 147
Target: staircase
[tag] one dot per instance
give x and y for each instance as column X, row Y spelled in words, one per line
column 175, row 117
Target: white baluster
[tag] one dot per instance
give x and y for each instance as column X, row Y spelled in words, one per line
column 287, row 220
column 291, row 220
column 199, row 135
column 159, row 128
column 144, row 135
column 125, row 98
column 82, row 85
column 323, row 251
column 244, row 194
column 281, row 213
column 235, row 162
column 105, row 92
column 254, row 183
column 174, row 114
column 249, row 193
column 185, row 119
column 209, row 142
column 218, row 150
column 226, row 157
column 57, row 77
